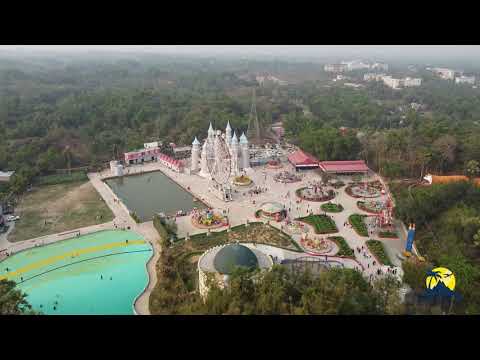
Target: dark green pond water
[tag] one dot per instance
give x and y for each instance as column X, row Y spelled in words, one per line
column 151, row 193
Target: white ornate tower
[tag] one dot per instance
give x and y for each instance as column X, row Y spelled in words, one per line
column 203, row 162
column 195, row 154
column 245, row 152
column 211, row 132
column 228, row 134
column 235, row 155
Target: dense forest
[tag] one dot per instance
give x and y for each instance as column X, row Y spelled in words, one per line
column 69, row 112
column 59, row 113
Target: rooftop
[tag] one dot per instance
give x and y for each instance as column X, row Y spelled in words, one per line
column 344, row 166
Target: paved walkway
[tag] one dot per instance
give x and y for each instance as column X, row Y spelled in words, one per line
column 244, row 206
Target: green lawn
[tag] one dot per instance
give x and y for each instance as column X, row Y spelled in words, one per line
column 357, row 221
column 330, row 207
column 52, row 209
column 377, row 248
column 321, row 223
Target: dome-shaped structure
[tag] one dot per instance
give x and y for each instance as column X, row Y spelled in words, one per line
column 234, row 255
column 272, row 207
column 196, row 142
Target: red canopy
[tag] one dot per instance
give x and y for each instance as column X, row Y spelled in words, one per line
column 301, row 158
column 351, row 166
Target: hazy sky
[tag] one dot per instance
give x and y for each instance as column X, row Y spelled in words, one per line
column 460, row 51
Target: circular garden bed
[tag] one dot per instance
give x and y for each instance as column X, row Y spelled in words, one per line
column 207, row 219
column 333, row 208
column 315, row 194
column 286, row 177
column 317, row 245
column 242, row 181
column 363, row 190
column 372, row 207
column 274, row 164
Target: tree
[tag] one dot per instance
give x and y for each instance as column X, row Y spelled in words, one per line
column 12, row 300
column 472, row 168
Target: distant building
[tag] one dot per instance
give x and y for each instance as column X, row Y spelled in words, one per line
column 392, row 82
column 5, row 176
column 355, row 65
column 446, row 74
column 265, row 80
column 379, row 66
column 465, row 80
column 335, row 68
column 409, row 82
column 152, row 145
column 373, row 76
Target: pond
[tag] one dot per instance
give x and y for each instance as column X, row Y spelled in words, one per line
column 150, row 193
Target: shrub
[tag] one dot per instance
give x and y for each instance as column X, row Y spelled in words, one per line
column 376, row 247
column 356, row 220
column 388, row 234
column 329, row 207
column 344, row 248
column 321, row 223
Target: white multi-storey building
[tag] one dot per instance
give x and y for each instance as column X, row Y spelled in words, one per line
column 392, row 82
column 465, row 80
column 379, row 66
column 335, row 68
column 446, row 74
column 408, row 82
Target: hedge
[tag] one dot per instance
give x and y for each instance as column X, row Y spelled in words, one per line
column 321, row 223
column 344, row 248
column 376, row 247
column 356, row 220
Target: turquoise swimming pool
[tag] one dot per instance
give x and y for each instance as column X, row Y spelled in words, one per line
column 96, row 274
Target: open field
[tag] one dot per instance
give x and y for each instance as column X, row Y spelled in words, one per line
column 56, row 208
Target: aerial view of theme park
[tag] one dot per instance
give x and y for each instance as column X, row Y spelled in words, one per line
column 277, row 207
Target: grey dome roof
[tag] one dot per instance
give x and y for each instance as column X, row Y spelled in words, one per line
column 234, row 255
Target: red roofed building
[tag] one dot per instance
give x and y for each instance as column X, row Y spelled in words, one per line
column 302, row 160
column 344, row 167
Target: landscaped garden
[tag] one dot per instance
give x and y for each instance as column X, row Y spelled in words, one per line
column 330, row 207
column 176, row 288
column 315, row 193
column 377, row 249
column 343, row 248
column 358, row 223
column 322, row 224
column 373, row 207
column 242, row 180
column 388, row 234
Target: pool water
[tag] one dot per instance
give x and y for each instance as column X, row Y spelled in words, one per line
column 150, row 193
column 95, row 274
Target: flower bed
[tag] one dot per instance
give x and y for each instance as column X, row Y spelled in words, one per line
column 305, row 194
column 242, row 180
column 357, row 190
column 343, row 248
column 388, row 234
column 358, row 223
column 321, row 224
column 377, row 249
column 362, row 206
column 334, row 208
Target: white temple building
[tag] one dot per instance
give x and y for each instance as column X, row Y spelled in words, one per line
column 238, row 149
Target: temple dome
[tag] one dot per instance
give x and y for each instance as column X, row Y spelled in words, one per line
column 196, row 142
column 234, row 255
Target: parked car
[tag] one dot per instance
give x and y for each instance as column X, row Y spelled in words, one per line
column 13, row 218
